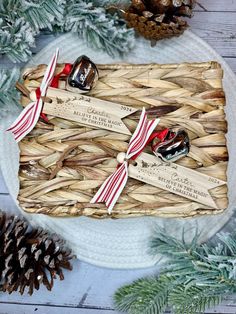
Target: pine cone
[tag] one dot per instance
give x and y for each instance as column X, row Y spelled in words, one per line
column 158, row 19
column 171, row 7
column 29, row 257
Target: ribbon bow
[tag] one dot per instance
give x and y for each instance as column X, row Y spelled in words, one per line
column 111, row 189
column 30, row 115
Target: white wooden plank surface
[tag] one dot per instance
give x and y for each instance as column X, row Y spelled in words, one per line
column 232, row 63
column 29, row 309
column 218, row 29
column 89, row 289
column 38, row 309
column 86, row 287
column 217, row 5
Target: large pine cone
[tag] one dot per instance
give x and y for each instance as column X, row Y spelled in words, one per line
column 29, row 257
column 158, row 19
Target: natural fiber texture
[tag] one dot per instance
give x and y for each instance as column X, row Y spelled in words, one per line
column 187, row 95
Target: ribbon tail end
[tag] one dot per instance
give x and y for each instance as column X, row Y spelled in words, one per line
column 93, row 201
column 109, row 209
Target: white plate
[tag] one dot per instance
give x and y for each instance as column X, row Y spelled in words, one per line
column 123, row 243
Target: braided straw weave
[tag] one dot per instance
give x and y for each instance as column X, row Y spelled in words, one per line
column 62, row 163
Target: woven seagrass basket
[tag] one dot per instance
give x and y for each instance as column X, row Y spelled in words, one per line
column 63, row 163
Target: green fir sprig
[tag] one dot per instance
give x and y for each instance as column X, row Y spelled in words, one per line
column 100, row 29
column 9, row 96
column 193, row 278
column 22, row 20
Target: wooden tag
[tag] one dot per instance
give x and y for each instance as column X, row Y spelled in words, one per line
column 176, row 179
column 87, row 110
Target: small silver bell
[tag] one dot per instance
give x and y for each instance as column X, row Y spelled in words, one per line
column 83, row 76
column 172, row 145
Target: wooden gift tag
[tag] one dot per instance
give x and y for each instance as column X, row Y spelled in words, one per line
column 149, row 169
column 87, row 110
column 174, row 178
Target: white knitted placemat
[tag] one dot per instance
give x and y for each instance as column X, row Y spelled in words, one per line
column 124, row 243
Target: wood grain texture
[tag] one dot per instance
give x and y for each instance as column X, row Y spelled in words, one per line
column 7, row 308
column 231, row 62
column 217, row 5
column 218, row 29
column 38, row 309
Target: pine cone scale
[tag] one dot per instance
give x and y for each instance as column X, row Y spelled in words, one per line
column 28, row 257
column 159, row 19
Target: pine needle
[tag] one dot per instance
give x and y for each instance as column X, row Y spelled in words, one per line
column 100, row 29
column 144, row 296
column 9, row 97
column 195, row 277
column 22, row 20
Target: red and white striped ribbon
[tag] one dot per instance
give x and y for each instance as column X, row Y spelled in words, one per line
column 111, row 189
column 30, row 115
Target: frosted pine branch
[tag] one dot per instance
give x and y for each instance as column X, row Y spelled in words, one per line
column 194, row 277
column 99, row 28
column 9, row 97
column 16, row 39
column 43, row 13
column 22, row 20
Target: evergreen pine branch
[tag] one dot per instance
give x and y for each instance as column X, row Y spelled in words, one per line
column 116, row 3
column 199, row 263
column 192, row 300
column 100, row 29
column 22, row 20
column 166, row 245
column 43, row 13
column 200, row 276
column 16, row 39
column 144, row 296
column 9, row 97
